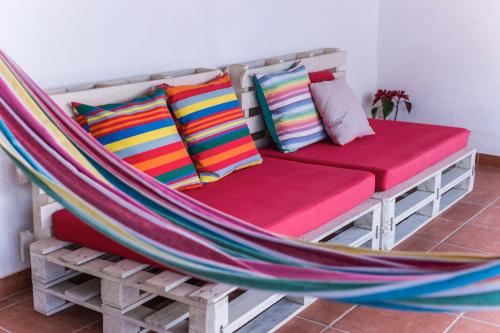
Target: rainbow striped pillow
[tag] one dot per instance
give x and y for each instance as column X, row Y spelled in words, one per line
column 143, row 133
column 212, row 124
column 288, row 109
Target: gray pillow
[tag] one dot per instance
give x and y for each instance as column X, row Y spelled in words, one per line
column 343, row 117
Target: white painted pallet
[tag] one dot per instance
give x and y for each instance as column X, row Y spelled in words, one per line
column 409, row 206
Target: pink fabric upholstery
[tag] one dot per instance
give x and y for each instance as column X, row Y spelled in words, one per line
column 285, row 197
column 397, row 151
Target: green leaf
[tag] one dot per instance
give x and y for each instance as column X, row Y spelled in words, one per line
column 374, row 112
column 387, row 107
column 408, row 106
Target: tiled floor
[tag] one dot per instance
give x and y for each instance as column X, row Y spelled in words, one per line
column 473, row 225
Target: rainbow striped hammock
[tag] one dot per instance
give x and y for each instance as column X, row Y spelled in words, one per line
column 179, row 232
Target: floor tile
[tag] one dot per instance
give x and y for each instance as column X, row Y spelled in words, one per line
column 488, row 218
column 16, row 298
column 21, row 318
column 477, row 237
column 93, row 328
column 438, row 229
column 325, row 312
column 335, row 330
column 482, row 196
column 471, row 326
column 447, row 248
column 496, row 203
column 488, row 316
column 298, row 324
column 368, row 320
column 462, row 211
column 414, row 244
column 487, row 178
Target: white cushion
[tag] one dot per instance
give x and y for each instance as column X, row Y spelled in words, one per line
column 343, row 117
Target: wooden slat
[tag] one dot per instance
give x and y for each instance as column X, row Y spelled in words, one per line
column 124, row 268
column 169, row 316
column 48, row 245
column 248, row 306
column 317, row 63
column 85, row 291
column 81, row 256
column 120, row 93
column 212, row 292
column 166, row 281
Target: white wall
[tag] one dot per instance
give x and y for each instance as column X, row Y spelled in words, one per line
column 446, row 54
column 61, row 43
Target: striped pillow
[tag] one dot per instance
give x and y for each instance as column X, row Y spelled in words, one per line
column 143, row 133
column 213, row 126
column 288, row 109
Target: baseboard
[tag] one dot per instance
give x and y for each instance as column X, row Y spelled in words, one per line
column 15, row 282
column 488, row 160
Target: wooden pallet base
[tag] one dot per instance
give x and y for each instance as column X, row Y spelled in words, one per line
column 409, row 206
column 135, row 298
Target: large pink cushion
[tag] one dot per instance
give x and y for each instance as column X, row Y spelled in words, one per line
column 285, row 197
column 398, row 150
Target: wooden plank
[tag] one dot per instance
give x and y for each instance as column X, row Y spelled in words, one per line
column 85, row 291
column 124, row 268
column 249, row 305
column 453, row 177
column 120, row 93
column 409, row 226
column 212, row 292
column 412, row 203
column 312, row 64
column 169, row 316
column 166, row 281
column 81, row 256
column 450, row 198
column 273, row 318
column 48, row 245
column 353, row 236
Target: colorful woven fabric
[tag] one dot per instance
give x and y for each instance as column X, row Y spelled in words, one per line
column 213, row 126
column 142, row 133
column 173, row 230
column 288, row 109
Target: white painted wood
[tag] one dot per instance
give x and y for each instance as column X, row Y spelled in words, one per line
column 85, row 291
column 249, row 305
column 81, row 256
column 124, row 92
column 166, row 281
column 124, row 268
column 405, row 211
column 212, row 292
column 168, row 317
column 209, row 318
column 48, row 245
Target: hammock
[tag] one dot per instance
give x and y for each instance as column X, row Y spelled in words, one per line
column 176, row 231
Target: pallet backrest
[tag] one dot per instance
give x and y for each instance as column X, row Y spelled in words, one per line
column 115, row 91
column 242, row 75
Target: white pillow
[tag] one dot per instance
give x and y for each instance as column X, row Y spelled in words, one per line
column 343, row 117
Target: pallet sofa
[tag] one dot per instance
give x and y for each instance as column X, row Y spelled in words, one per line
column 73, row 264
column 421, row 170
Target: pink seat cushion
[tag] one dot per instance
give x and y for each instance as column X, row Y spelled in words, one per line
column 397, row 151
column 285, row 197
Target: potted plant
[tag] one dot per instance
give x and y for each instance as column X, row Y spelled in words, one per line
column 389, row 100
